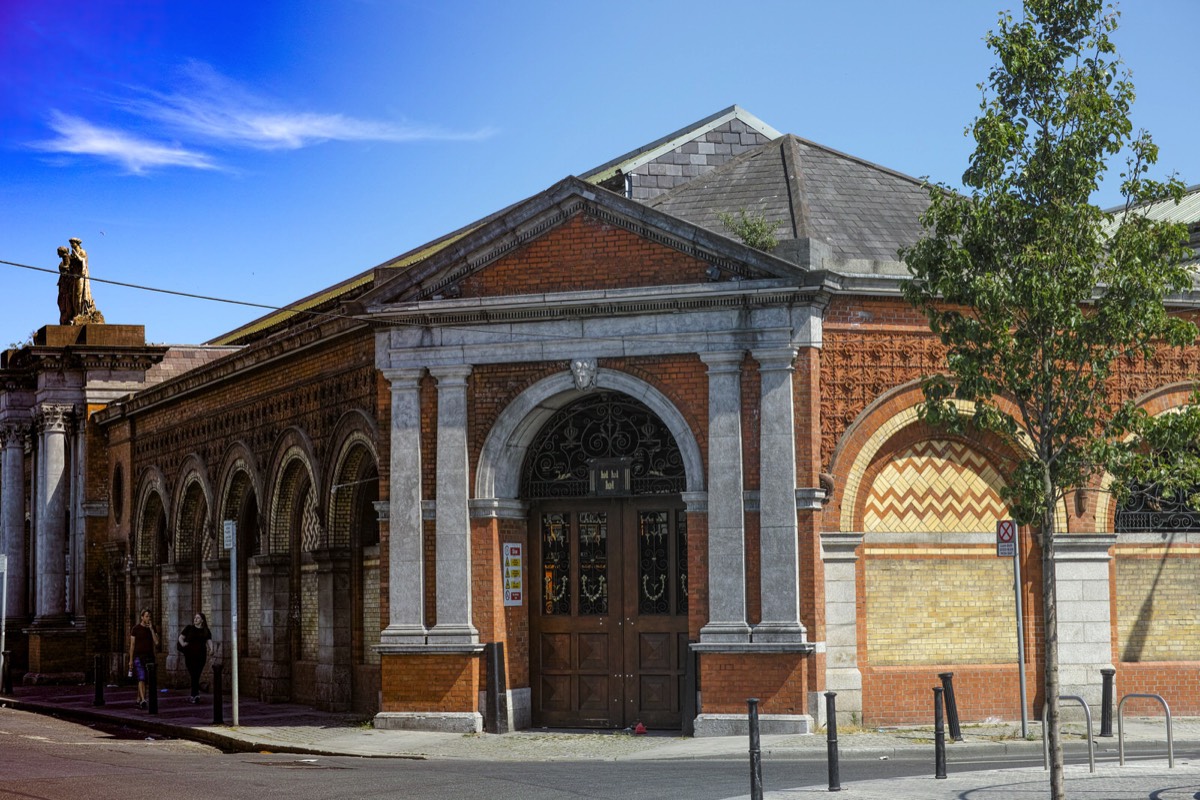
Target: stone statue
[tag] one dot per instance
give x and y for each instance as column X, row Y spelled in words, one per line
column 75, row 304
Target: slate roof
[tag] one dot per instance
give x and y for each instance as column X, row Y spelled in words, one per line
column 862, row 210
column 729, row 128
column 1186, row 211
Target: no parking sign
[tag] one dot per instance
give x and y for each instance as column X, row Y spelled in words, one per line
column 1006, row 538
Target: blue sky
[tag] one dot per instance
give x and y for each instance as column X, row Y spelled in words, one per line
column 260, row 151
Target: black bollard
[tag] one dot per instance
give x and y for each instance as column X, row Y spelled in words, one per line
column 951, row 706
column 218, row 698
column 831, row 744
column 939, row 736
column 6, row 686
column 495, row 713
column 152, row 687
column 1106, row 701
column 756, row 787
column 99, row 674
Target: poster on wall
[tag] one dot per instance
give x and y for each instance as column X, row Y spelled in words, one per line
column 512, row 574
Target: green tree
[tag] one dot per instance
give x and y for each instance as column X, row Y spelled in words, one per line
column 1036, row 293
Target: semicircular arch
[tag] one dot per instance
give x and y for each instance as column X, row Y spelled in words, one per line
column 294, row 477
column 498, row 475
column 151, row 545
column 1168, row 399
column 193, row 504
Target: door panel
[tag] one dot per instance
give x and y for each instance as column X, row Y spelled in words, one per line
column 609, row 612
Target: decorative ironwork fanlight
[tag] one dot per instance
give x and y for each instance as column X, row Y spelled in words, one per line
column 604, row 444
column 1148, row 509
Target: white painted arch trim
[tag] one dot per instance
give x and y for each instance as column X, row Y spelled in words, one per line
column 503, row 454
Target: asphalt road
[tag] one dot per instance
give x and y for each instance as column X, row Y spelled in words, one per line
column 50, row 759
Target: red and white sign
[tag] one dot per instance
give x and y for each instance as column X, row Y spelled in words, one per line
column 1006, row 538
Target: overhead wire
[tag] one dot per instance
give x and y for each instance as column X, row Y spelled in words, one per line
column 328, row 314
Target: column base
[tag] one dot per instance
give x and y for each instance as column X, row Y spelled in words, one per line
column 725, row 632
column 453, row 634
column 739, row 724
column 779, row 632
column 439, row 721
column 403, row 635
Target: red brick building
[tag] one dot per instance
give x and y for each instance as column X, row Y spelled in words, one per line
column 666, row 471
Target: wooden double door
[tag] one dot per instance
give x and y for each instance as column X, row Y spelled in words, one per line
column 608, row 626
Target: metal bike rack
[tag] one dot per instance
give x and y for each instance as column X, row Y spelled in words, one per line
column 1087, row 713
column 1121, row 728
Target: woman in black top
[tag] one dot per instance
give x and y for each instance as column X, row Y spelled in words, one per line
column 195, row 642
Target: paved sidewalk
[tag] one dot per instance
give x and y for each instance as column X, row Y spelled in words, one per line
column 291, row 728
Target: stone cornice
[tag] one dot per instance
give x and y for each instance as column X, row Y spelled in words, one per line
column 604, row 304
column 36, row 358
column 250, row 357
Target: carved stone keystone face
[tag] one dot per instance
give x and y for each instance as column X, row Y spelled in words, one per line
column 584, row 372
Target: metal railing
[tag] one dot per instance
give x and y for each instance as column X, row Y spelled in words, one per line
column 1121, row 728
column 1087, row 713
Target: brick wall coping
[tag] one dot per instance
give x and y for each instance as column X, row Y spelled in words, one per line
column 465, row 648
column 750, row 648
column 1162, row 538
column 929, row 537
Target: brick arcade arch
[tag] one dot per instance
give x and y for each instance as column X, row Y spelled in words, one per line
column 352, row 560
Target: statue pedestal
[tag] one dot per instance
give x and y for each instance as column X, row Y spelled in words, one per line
column 56, row 655
column 93, row 334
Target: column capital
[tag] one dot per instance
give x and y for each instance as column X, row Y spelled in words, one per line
column 455, row 374
column 723, row 361
column 775, row 358
column 13, row 434
column 404, row 378
column 840, row 546
column 53, row 417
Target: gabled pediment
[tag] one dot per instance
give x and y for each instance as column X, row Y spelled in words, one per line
column 576, row 237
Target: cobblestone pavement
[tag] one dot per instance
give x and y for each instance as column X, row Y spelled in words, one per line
column 294, row 728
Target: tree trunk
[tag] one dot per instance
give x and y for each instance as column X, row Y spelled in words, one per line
column 1050, row 669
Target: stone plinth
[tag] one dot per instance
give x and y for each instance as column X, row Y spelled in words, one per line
column 93, row 335
column 56, row 655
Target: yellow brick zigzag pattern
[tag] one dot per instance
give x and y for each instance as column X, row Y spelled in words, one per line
column 935, row 486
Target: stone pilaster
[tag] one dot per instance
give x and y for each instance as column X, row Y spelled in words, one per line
column 778, row 543
column 334, row 626
column 726, row 513
column 1081, row 572
column 842, row 675
column 453, row 524
column 53, row 492
column 275, row 656
column 12, row 517
column 406, row 558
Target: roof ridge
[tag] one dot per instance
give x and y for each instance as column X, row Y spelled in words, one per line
column 793, row 173
column 856, row 159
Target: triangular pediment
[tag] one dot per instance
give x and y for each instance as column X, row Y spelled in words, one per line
column 574, row 237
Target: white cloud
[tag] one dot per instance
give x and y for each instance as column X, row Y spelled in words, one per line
column 214, row 108
column 213, row 111
column 79, row 137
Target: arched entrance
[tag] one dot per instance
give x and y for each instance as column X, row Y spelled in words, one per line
column 608, row 541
